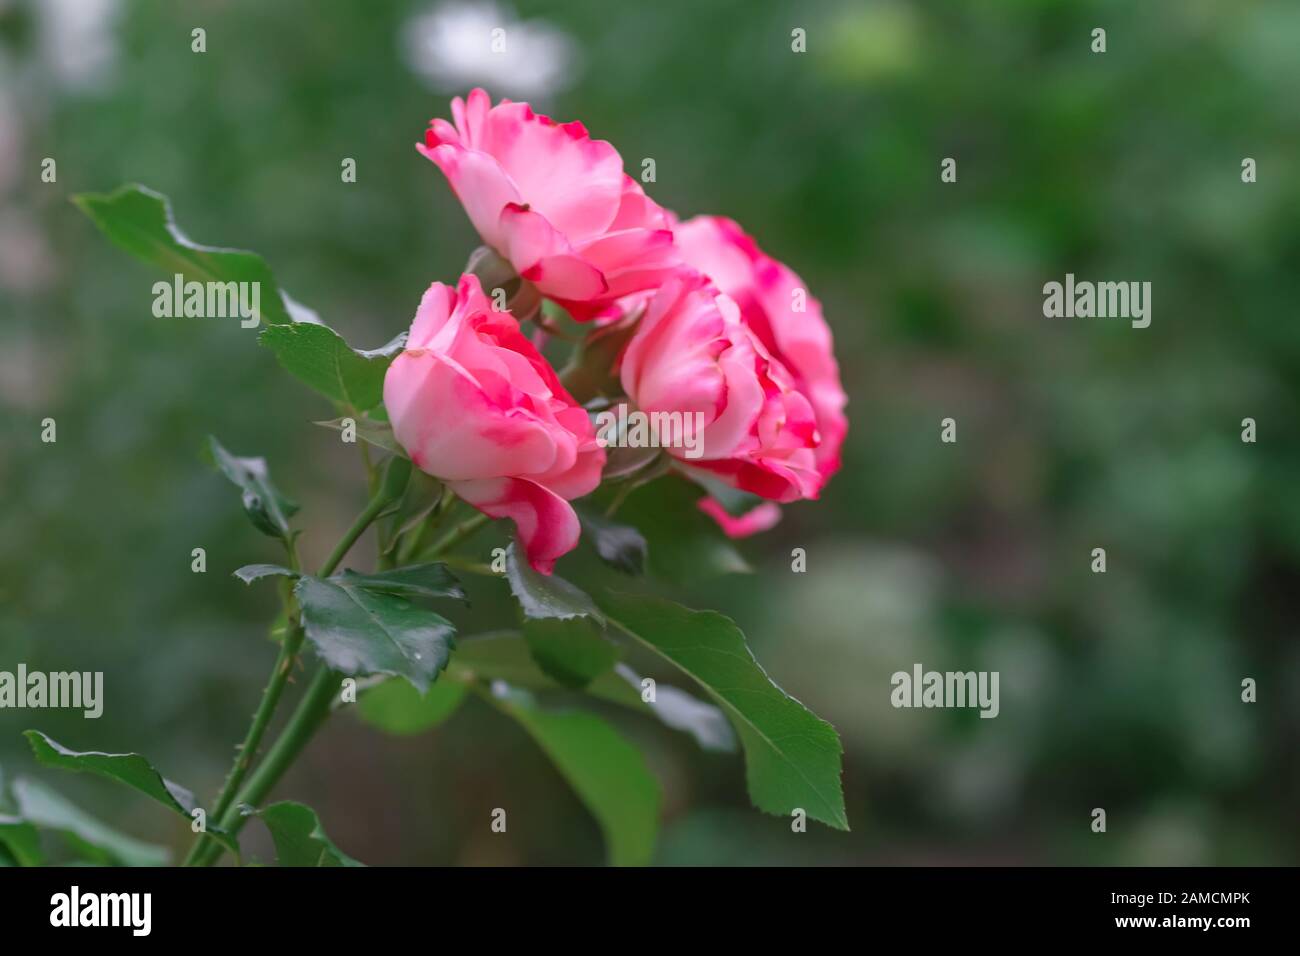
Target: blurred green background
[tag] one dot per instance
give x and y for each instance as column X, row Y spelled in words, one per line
column 1119, row 690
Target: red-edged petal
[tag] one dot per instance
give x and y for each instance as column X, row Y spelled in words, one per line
column 761, row 517
column 547, row 524
column 479, row 183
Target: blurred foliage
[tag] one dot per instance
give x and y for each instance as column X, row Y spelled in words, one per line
column 1118, row 690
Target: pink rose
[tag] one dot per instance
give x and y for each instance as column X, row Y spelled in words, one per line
column 475, row 404
column 552, row 201
column 767, row 293
column 693, row 362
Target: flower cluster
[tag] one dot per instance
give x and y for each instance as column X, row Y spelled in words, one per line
column 718, row 331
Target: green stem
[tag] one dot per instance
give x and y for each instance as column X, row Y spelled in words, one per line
column 372, row 476
column 411, row 547
column 457, row 534
column 206, row 851
column 376, row 505
column 469, row 566
column 289, row 648
column 306, row 719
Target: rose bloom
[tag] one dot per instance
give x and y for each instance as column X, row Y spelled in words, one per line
column 475, row 404
column 553, row 201
column 693, row 354
column 766, row 292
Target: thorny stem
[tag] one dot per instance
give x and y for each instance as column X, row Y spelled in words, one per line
column 284, row 661
column 289, row 648
column 303, row 723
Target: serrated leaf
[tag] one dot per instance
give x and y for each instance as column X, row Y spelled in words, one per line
column 255, row 572
column 320, row 357
column 358, row 631
column 429, row 580
column 684, row 544
column 377, row 433
column 608, row 773
column 268, row 509
column 545, row 596
column 573, row 652
column 139, row 221
column 792, row 757
column 396, row 707
column 42, row 807
column 621, row 546
column 299, row 838
column 131, row 769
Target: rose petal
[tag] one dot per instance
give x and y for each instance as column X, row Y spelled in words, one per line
column 547, row 524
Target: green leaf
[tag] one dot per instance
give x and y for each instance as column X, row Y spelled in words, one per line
column 139, row 221
column 792, row 756
column 504, row 655
column 396, row 707
column 499, row 655
column 608, row 773
column 620, row 546
column 42, row 807
column 21, row 839
column 681, row 711
column 268, row 509
column 430, row 580
column 573, row 652
column 684, row 544
column 545, row 596
column 131, row 769
column 299, row 838
column 360, row 631
column 320, row 357
column 255, row 572
column 377, row 433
